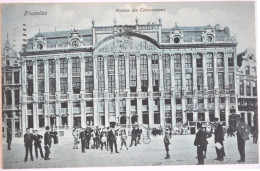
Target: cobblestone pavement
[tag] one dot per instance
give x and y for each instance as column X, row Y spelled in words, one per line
column 182, row 152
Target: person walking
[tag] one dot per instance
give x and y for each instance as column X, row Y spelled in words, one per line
column 112, row 140
column 166, row 141
column 201, row 143
column 255, row 135
column 103, row 139
column 76, row 138
column 219, row 139
column 37, row 143
column 139, row 133
column 88, row 136
column 243, row 131
column 97, row 138
column 82, row 136
column 28, row 139
column 9, row 138
column 47, row 143
column 134, row 136
column 123, row 139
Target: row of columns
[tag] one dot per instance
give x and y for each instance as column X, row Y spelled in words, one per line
column 106, row 99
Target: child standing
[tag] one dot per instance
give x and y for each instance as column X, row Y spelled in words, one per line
column 166, row 141
column 123, row 139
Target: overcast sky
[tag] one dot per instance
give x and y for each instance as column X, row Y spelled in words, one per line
column 238, row 16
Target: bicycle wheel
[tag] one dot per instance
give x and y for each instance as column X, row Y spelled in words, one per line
column 146, row 140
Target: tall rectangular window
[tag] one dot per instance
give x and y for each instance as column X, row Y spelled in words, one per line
column 220, row 59
column 178, row 81
column 63, row 85
column 76, row 85
column 40, row 87
column 89, row 84
column 200, row 81
column 210, row 81
column 144, row 73
column 248, row 88
column 177, row 61
column 16, row 97
column 8, row 77
column 111, row 73
column 75, row 65
column 167, row 72
column 209, row 60
column 132, row 73
column 52, row 66
column 16, row 77
column 188, row 82
column 188, row 61
column 231, row 80
column 221, row 80
column 88, row 64
column 199, row 61
column 52, row 86
column 63, row 66
column 29, row 87
column 155, row 74
column 230, row 60
column 40, row 67
column 101, row 78
column 29, row 67
column 241, row 87
column 121, row 73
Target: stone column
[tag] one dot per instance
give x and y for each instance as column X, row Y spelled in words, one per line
column 138, row 73
column 216, row 86
column 173, row 99
column 205, row 85
column 161, row 71
column 57, row 93
column 46, row 92
column 82, row 93
column 24, row 97
column 70, row 90
column 127, row 82
column 195, row 89
column 127, row 100
column 106, row 100
column 150, row 91
column 117, row 107
column 139, row 110
column 70, row 113
column 95, row 91
column 162, row 112
column 35, row 96
column 13, row 124
column 227, row 101
column 183, row 99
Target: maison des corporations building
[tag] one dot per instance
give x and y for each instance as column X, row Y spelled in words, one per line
column 128, row 74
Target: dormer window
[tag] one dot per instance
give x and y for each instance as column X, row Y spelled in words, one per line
column 75, row 43
column 39, row 46
column 209, row 39
column 7, row 62
column 176, row 40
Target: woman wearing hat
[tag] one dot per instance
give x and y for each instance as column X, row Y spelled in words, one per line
column 166, row 141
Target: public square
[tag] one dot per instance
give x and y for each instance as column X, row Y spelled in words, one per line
column 182, row 152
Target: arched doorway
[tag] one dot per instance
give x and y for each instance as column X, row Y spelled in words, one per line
column 134, row 119
column 123, row 120
column 8, row 97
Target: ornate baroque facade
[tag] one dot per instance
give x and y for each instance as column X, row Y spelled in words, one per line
column 247, row 91
column 128, row 74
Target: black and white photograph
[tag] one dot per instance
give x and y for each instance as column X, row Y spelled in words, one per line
column 112, row 84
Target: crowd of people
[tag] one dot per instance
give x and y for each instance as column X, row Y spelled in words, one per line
column 35, row 139
column 106, row 139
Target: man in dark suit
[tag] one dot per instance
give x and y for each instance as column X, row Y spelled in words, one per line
column 219, row 138
column 201, row 143
column 37, row 143
column 139, row 133
column 112, row 140
column 134, row 136
column 82, row 136
column 47, row 143
column 9, row 138
column 88, row 136
column 28, row 139
column 243, row 131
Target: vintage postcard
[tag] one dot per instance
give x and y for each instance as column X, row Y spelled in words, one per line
column 129, row 84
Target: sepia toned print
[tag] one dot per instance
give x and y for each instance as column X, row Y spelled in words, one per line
column 136, row 84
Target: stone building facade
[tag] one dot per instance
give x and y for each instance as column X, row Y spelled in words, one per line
column 247, row 90
column 11, row 89
column 128, row 74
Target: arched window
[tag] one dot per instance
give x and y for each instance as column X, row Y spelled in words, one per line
column 8, row 97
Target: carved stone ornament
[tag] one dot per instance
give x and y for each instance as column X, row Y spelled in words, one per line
column 177, row 94
column 126, row 43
